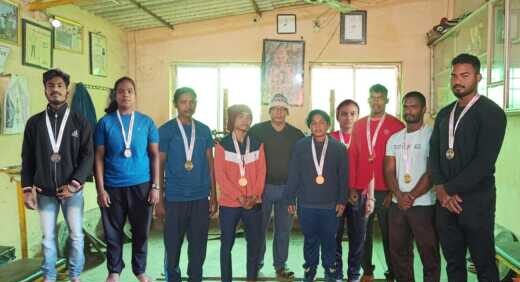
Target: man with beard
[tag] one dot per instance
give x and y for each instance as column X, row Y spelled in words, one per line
column 411, row 214
column 464, row 147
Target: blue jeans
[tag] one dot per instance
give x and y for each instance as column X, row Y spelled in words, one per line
column 273, row 197
column 252, row 220
column 319, row 229
column 72, row 208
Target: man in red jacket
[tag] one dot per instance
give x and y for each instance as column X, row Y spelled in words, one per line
column 369, row 194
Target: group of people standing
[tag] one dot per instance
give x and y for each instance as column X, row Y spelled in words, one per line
column 428, row 185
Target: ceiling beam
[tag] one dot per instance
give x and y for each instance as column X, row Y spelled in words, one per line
column 255, row 6
column 40, row 5
column 151, row 13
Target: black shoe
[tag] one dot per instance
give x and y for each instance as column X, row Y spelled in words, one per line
column 309, row 274
column 389, row 276
column 331, row 275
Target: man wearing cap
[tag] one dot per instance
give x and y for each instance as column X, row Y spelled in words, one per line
column 278, row 138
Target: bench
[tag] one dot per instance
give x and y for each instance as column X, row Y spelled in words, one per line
column 507, row 247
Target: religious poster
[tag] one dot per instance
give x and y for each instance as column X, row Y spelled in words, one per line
column 282, row 70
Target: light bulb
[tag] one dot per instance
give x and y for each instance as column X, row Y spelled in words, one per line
column 55, row 22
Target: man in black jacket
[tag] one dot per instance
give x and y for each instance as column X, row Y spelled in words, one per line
column 464, row 147
column 57, row 157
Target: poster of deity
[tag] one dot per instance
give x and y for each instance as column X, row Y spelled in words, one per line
column 282, row 70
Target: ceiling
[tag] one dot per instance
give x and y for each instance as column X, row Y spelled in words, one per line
column 143, row 14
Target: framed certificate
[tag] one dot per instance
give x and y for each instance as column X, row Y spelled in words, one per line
column 98, row 54
column 353, row 27
column 37, row 45
column 286, row 23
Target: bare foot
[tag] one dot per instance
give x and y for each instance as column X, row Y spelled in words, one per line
column 113, row 277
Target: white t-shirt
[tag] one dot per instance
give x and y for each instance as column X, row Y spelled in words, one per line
column 418, row 143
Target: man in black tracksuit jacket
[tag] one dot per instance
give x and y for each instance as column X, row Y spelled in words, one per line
column 463, row 173
column 54, row 170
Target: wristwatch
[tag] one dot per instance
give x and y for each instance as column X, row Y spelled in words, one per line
column 156, row 186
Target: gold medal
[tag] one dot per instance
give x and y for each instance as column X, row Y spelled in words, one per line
column 242, row 182
column 371, row 158
column 320, row 179
column 450, row 154
column 188, row 165
column 407, row 178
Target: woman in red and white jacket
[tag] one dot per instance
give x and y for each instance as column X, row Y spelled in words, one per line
column 240, row 173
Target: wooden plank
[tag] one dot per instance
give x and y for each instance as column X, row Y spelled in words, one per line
column 38, row 6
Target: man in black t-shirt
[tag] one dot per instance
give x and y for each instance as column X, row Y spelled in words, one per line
column 279, row 138
column 464, row 147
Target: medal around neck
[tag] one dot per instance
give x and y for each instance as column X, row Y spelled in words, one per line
column 450, row 154
column 127, row 153
column 127, row 138
column 56, row 142
column 55, row 157
column 242, row 181
column 407, row 178
column 319, row 165
column 453, row 125
column 188, row 148
column 188, row 165
column 372, row 140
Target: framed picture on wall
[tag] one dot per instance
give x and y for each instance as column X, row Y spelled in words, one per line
column 69, row 36
column 36, row 45
column 353, row 27
column 9, row 25
column 282, row 70
column 98, row 54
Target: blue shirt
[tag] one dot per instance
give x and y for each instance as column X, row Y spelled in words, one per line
column 121, row 171
column 180, row 184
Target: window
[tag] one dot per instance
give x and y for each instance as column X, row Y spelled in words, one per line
column 210, row 81
column 353, row 82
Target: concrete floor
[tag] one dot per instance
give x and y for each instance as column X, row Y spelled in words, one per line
column 212, row 267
